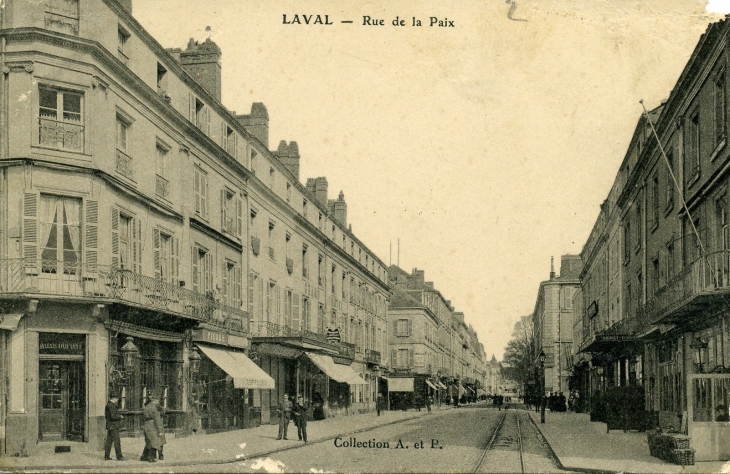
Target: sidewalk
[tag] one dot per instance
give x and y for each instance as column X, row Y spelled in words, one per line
column 214, row 448
column 586, row 447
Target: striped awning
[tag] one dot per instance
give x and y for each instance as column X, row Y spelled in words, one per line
column 430, row 384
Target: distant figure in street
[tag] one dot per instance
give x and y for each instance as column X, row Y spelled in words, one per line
column 429, row 402
column 300, row 418
column 380, row 403
column 284, row 412
column 161, row 409
column 721, row 413
column 561, row 402
column 318, row 405
column 153, row 430
column 113, row 423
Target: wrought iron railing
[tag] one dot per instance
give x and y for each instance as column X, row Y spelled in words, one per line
column 105, row 282
column 57, row 134
column 372, row 357
column 123, row 164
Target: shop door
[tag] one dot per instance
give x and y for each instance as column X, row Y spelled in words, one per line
column 62, row 400
column 709, row 425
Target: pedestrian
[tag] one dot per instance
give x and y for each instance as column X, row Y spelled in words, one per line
column 300, row 418
column 318, row 406
column 429, row 402
column 113, row 423
column 163, row 440
column 284, row 412
column 152, row 428
column 380, row 403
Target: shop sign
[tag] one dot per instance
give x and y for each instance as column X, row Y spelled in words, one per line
column 333, row 335
column 214, row 337
column 238, row 341
column 67, row 344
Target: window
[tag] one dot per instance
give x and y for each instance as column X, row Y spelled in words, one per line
column 332, row 278
column 402, row 359
column 670, row 260
column 305, row 267
column 167, row 256
column 320, row 270
column 228, row 140
column 60, row 119
column 162, row 184
column 402, row 327
column 655, row 282
column 126, row 241
column 199, row 114
column 60, row 234
column 272, row 177
column 122, row 39
column 288, row 192
column 639, row 287
column 123, row 163
column 670, row 181
column 288, row 306
column 200, row 186
column 272, row 255
column 720, row 107
column 231, row 212
column 273, row 305
column 253, row 162
column 639, row 227
column 202, row 272
column 654, row 204
column 693, row 146
column 304, row 208
column 306, row 315
column 62, row 16
column 344, row 285
column 627, row 240
column 161, row 80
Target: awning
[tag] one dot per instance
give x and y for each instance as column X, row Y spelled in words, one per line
column 461, row 389
column 10, row 321
column 401, row 384
column 338, row 372
column 245, row 373
column 442, row 385
column 470, row 389
column 430, row 384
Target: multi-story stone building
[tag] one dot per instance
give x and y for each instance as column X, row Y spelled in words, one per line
column 671, row 340
column 430, row 345
column 552, row 320
column 161, row 259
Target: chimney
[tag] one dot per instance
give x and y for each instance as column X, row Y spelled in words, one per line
column 419, row 276
column 288, row 155
column 257, row 123
column 570, row 266
column 127, row 5
column 320, row 190
column 338, row 209
column 203, row 62
column 552, row 268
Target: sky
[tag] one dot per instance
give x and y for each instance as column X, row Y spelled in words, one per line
column 484, row 148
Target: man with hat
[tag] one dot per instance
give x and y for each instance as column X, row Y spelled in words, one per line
column 153, row 429
column 113, row 423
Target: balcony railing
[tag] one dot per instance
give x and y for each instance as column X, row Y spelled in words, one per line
column 123, row 164
column 706, row 278
column 110, row 284
column 56, row 134
column 269, row 329
column 162, row 187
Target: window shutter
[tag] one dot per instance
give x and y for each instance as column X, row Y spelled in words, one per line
column 239, row 290
column 196, row 274
column 395, row 328
column 137, row 246
column 30, row 232
column 410, row 327
column 207, row 120
column 156, row 242
column 235, row 145
column 196, row 188
column 223, row 210
column 239, row 216
column 115, row 237
column 192, row 108
column 394, row 357
column 250, row 294
column 295, row 321
column 224, row 136
column 224, row 278
column 92, row 236
column 260, row 299
column 268, row 302
column 175, row 260
column 208, row 272
column 204, row 195
column 277, row 299
column 410, row 358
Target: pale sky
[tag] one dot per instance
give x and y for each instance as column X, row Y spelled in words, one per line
column 486, row 147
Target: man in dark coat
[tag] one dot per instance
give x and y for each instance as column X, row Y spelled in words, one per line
column 300, row 418
column 284, row 412
column 380, row 403
column 153, row 430
column 113, row 423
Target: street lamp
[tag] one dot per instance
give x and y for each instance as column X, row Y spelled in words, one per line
column 699, row 345
column 129, row 353
column 541, row 357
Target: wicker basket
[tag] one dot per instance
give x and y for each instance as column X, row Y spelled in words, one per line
column 684, row 457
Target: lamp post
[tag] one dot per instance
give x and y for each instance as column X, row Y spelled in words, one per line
column 699, row 345
column 541, row 357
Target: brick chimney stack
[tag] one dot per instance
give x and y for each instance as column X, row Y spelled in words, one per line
column 288, row 155
column 552, row 268
column 257, row 123
column 203, row 62
column 338, row 209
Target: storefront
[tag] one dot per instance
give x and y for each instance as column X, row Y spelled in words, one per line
column 225, row 385
column 337, row 385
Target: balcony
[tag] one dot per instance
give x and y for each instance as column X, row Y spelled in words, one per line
column 700, row 286
column 123, row 164
column 162, row 187
column 372, row 357
column 65, row 135
column 266, row 329
column 109, row 284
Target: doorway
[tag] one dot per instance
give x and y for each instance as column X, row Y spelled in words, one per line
column 62, row 400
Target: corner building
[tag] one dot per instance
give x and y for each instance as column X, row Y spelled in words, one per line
column 150, row 241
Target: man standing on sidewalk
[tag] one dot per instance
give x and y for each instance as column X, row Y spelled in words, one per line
column 284, row 412
column 113, row 423
column 380, row 403
column 300, row 418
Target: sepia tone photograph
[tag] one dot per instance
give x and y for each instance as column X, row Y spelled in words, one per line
column 367, row 237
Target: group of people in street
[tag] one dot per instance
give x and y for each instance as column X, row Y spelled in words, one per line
column 296, row 411
column 154, row 431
